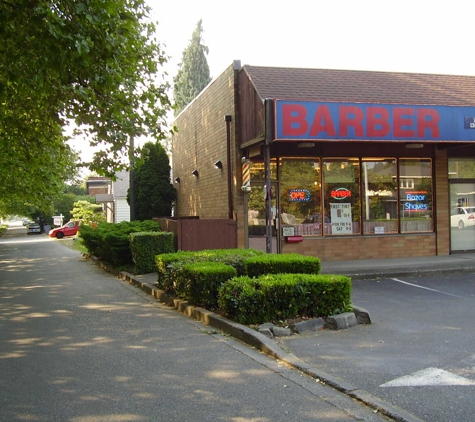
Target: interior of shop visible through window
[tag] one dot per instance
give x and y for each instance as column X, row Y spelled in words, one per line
column 345, row 196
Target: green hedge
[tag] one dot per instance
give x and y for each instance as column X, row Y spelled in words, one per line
column 281, row 264
column 199, row 282
column 111, row 241
column 145, row 246
column 169, row 264
column 281, row 296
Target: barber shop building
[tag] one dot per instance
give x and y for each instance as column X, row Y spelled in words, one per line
column 337, row 164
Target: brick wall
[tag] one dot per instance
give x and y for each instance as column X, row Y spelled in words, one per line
column 361, row 247
column 200, row 142
column 442, row 202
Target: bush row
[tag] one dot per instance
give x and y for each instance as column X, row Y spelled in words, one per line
column 112, row 242
column 281, row 296
column 169, row 266
column 249, row 286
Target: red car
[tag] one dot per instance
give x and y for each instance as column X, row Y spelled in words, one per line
column 69, row 229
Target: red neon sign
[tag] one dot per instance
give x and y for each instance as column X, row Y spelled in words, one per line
column 340, row 193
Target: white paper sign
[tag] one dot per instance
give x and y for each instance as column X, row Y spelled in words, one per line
column 341, row 218
column 288, row 231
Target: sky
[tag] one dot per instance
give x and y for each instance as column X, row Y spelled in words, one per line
column 417, row 36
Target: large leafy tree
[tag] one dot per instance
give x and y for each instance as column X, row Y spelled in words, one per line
column 154, row 192
column 193, row 74
column 93, row 62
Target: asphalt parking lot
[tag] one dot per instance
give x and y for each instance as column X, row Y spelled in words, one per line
column 419, row 352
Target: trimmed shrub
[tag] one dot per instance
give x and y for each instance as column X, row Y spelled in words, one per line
column 145, row 246
column 281, row 296
column 166, row 264
column 111, row 241
column 281, row 264
column 169, row 264
column 199, row 282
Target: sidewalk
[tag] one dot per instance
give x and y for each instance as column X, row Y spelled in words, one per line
column 357, row 270
column 376, row 268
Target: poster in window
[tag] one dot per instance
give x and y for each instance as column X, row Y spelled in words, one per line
column 341, row 218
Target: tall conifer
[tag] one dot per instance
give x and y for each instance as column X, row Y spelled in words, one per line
column 193, row 73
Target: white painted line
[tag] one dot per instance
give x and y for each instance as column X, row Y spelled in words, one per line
column 429, row 377
column 425, row 288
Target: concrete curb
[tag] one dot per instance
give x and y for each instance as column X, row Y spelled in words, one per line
column 266, row 345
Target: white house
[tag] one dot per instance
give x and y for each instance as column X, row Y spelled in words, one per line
column 119, row 194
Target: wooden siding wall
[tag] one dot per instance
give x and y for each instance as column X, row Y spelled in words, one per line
column 251, row 110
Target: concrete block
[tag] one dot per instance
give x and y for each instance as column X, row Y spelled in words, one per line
column 362, row 315
column 309, row 325
column 267, row 332
column 268, row 325
column 281, row 331
column 341, row 321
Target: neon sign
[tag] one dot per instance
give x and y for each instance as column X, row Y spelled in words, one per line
column 416, row 202
column 299, row 195
column 340, row 193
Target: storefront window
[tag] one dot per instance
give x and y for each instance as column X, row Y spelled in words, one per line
column 415, row 195
column 334, row 197
column 258, row 171
column 461, row 168
column 379, row 196
column 341, row 189
column 300, row 196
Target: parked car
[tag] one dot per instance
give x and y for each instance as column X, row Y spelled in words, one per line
column 33, row 228
column 462, row 217
column 69, row 229
column 25, row 221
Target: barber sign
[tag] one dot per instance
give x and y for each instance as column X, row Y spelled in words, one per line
column 309, row 120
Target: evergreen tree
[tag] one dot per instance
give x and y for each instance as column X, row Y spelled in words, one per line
column 154, row 192
column 193, row 74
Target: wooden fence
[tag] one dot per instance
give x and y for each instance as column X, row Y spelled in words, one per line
column 194, row 234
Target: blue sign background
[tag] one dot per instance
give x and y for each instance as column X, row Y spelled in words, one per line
column 454, row 123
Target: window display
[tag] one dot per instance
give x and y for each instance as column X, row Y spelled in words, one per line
column 379, row 196
column 415, row 202
column 350, row 196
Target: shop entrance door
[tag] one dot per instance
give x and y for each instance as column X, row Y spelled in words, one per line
column 256, row 211
column 462, row 217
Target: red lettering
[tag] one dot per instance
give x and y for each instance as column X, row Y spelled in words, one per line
column 402, row 124
column 427, row 118
column 294, row 123
column 351, row 116
column 342, row 193
column 322, row 122
column 377, row 125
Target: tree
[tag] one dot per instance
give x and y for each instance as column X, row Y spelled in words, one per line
column 94, row 62
column 193, row 74
column 89, row 213
column 154, row 192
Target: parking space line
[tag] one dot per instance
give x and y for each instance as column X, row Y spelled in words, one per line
column 426, row 288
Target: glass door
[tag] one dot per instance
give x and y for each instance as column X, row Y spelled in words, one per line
column 256, row 211
column 462, row 217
